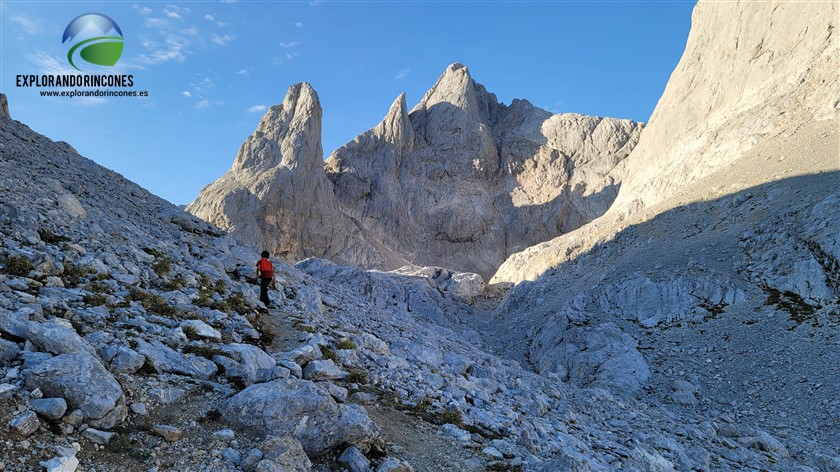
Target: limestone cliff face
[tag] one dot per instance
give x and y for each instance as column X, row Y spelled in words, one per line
column 462, row 181
column 751, row 71
column 752, row 75
column 276, row 195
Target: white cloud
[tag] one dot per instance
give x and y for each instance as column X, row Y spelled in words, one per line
column 186, row 93
column 221, row 24
column 49, row 65
column 403, row 72
column 173, row 11
column 29, row 25
column 222, row 40
column 228, row 1
column 206, row 103
column 142, row 10
column 204, row 85
column 298, row 25
column 155, row 57
column 315, row 3
column 292, row 55
column 288, row 45
column 157, row 23
column 245, row 72
column 209, row 17
column 257, row 108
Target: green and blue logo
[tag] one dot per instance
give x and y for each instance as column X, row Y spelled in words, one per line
column 96, row 37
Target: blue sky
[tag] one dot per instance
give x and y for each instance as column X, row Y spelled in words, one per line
column 211, row 68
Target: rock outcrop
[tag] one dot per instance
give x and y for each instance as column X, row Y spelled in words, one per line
column 734, row 87
column 461, row 181
column 738, row 94
column 276, row 196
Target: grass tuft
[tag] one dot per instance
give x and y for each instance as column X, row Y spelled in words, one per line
column 17, row 265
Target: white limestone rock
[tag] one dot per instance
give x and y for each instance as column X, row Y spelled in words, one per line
column 302, row 409
column 277, row 197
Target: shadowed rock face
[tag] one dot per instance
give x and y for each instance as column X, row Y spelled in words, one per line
column 461, row 181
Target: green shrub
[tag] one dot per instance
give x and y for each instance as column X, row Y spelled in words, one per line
column 345, row 344
column 203, row 351
column 51, row 238
column 236, row 302
column 162, row 267
column 174, row 284
column 152, row 252
column 220, row 286
column 451, row 417
column 423, row 405
column 357, row 375
column 18, row 265
column 98, row 287
column 122, row 445
column 328, row 353
column 95, row 299
column 153, row 303
column 73, row 275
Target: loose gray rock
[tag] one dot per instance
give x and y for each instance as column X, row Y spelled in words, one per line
column 166, row 396
column 285, row 453
column 354, row 460
column 127, row 360
column 167, row 432
column 278, row 408
column 52, row 408
column 164, row 359
column 25, row 423
column 250, row 360
column 78, row 378
column 394, row 465
column 201, row 329
column 98, row 437
column 322, row 370
column 8, row 351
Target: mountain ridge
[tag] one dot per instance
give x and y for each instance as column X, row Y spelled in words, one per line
column 456, row 182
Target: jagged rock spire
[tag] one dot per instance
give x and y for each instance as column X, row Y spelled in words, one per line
column 396, row 126
column 288, row 134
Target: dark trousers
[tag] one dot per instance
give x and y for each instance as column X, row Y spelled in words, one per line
column 264, row 291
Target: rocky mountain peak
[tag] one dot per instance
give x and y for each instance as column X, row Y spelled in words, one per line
column 456, row 95
column 288, row 135
column 396, row 126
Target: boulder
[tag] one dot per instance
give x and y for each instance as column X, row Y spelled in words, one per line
column 285, row 453
column 302, row 409
column 165, row 359
column 52, row 408
column 251, row 361
column 78, row 378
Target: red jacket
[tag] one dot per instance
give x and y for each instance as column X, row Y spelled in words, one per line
column 266, row 269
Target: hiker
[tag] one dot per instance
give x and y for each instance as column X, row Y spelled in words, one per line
column 265, row 272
